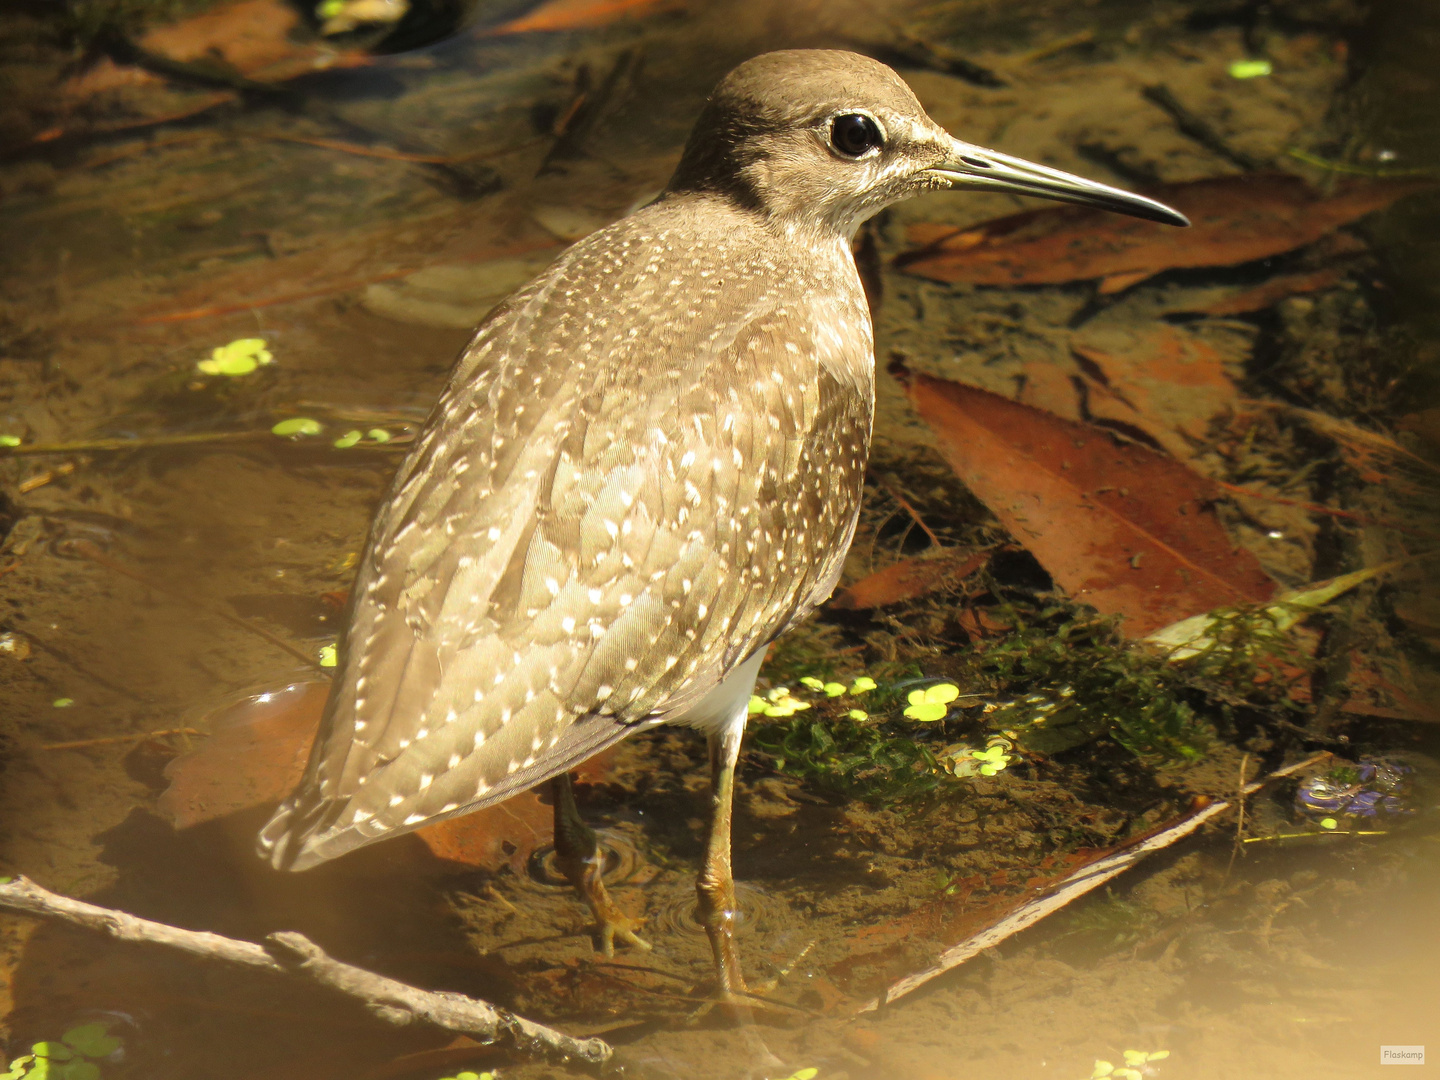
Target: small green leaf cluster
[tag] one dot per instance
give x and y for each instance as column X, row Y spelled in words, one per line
column 73, row 1057
column 467, row 1075
column 297, row 427
column 240, row 357
column 1136, row 1065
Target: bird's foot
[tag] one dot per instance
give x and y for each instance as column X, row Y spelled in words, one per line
column 624, row 928
column 610, row 921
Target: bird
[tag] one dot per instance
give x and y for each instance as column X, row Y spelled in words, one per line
column 646, row 466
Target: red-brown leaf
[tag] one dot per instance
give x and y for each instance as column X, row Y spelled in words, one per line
column 909, row 578
column 575, row 14
column 1118, row 526
column 1235, row 219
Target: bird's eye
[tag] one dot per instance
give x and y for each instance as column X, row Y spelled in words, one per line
column 855, row 134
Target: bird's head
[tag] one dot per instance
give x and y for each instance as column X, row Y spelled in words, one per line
column 825, row 139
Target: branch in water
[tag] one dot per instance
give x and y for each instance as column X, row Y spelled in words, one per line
column 291, row 953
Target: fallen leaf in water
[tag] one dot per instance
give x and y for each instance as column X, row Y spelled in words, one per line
column 256, row 40
column 909, row 578
column 575, row 15
column 1234, row 219
column 253, row 38
column 256, row 754
column 1195, row 635
column 1273, row 291
column 1118, row 526
column 1164, row 381
column 360, row 258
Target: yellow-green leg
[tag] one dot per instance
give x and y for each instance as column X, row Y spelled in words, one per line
column 578, row 857
column 715, row 887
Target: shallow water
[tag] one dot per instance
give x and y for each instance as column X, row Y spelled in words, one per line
column 127, row 257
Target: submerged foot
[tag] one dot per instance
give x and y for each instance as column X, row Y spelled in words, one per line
column 584, row 873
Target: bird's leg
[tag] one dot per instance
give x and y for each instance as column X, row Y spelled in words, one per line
column 578, row 856
column 716, row 889
column 716, row 884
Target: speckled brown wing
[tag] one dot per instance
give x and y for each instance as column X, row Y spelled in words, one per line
column 623, row 493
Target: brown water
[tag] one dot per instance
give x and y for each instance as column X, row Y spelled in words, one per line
column 127, row 257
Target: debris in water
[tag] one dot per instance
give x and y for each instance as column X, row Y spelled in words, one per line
column 1250, row 69
column 1235, row 219
column 1367, row 789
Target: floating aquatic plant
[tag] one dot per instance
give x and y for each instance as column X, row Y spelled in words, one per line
column 932, row 703
column 72, row 1057
column 963, row 759
column 297, row 425
column 1136, row 1067
column 328, row 656
column 240, row 357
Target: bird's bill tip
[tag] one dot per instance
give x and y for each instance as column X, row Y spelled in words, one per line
column 977, row 168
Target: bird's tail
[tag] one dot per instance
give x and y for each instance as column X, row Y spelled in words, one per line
column 286, row 840
column 276, row 842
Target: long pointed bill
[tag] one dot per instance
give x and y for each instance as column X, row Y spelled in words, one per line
column 987, row 170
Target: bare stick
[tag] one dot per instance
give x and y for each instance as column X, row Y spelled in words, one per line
column 1076, row 885
column 914, row 514
column 112, row 740
column 291, row 953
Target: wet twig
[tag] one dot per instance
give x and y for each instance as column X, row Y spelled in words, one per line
column 114, row 740
column 149, row 442
column 890, row 490
column 294, row 954
column 1199, row 130
column 1239, row 815
column 1076, row 885
column 907, row 50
